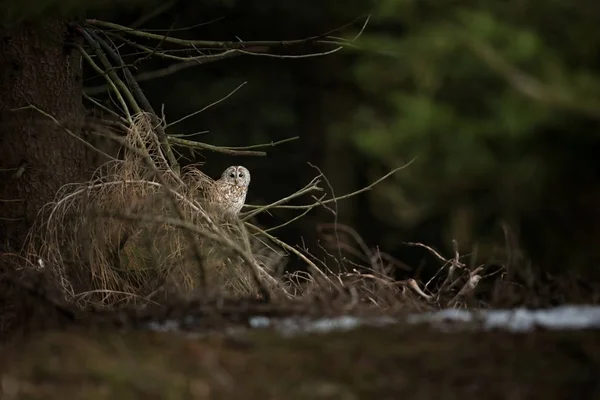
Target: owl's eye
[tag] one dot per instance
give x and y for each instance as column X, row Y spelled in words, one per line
column 232, row 175
column 241, row 175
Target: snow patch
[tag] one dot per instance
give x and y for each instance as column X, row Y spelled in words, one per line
column 512, row 320
column 567, row 317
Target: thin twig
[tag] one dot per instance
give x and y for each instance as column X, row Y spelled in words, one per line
column 110, row 70
column 312, row 186
column 143, row 101
column 204, row 146
column 335, row 213
column 287, row 247
column 205, row 43
column 346, row 196
column 146, row 76
column 290, row 221
column 263, row 145
column 103, row 107
column 109, row 81
column 208, row 106
column 199, row 59
column 67, row 130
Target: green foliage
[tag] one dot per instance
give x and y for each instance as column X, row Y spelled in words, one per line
column 497, row 100
column 470, row 119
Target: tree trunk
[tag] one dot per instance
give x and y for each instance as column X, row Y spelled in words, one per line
column 37, row 155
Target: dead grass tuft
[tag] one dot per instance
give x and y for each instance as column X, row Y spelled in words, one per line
column 124, row 236
column 139, row 233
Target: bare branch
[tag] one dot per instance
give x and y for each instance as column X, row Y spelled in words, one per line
column 208, row 106
column 204, row 146
column 204, row 43
column 110, row 71
column 141, row 98
column 346, row 196
column 289, row 248
column 310, row 187
column 109, row 81
column 234, row 151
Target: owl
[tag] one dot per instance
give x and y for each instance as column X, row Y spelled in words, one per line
column 229, row 192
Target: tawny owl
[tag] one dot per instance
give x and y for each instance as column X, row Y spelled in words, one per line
column 230, row 190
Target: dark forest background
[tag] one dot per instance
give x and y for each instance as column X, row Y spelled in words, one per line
column 497, row 102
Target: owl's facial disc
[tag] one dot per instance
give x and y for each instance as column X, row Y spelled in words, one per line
column 240, row 177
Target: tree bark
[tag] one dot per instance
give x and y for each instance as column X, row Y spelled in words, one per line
column 37, row 155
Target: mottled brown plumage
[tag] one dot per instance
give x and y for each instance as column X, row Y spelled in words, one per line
column 229, row 192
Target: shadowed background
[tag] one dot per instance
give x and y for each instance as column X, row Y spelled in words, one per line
column 498, row 103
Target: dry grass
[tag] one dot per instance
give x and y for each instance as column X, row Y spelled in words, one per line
column 140, row 234
column 137, row 230
column 139, row 237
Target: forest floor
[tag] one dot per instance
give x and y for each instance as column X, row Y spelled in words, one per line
column 393, row 362
column 117, row 357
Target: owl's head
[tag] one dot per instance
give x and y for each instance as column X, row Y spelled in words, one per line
column 236, row 175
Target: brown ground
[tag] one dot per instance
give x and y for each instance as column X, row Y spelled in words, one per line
column 377, row 363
